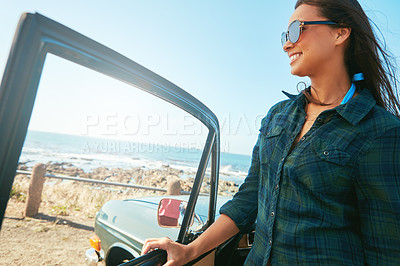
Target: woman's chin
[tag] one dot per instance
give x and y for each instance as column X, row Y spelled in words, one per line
column 296, row 72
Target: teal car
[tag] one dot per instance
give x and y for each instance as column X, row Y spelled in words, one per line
column 123, row 226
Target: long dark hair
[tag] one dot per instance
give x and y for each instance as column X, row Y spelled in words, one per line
column 364, row 53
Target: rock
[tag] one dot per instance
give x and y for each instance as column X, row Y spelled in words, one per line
column 22, row 167
column 174, row 187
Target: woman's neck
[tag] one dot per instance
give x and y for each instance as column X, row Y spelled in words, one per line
column 330, row 89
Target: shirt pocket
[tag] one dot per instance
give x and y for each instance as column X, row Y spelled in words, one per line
column 325, row 168
column 269, row 140
column 270, row 149
column 332, row 155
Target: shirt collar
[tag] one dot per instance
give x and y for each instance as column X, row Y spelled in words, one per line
column 353, row 111
column 292, row 96
column 357, row 108
column 300, row 99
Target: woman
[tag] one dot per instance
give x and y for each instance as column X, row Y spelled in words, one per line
column 324, row 183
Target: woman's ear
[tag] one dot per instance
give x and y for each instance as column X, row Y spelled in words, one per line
column 342, row 35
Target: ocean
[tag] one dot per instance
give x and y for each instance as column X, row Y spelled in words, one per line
column 89, row 153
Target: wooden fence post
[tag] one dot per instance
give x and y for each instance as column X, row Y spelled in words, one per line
column 174, row 187
column 34, row 196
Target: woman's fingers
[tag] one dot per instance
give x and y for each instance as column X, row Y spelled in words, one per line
column 153, row 243
column 177, row 253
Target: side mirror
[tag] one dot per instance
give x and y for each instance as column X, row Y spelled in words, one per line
column 171, row 212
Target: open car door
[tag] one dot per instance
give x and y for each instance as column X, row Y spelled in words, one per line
column 35, row 37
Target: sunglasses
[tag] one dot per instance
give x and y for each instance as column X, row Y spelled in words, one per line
column 296, row 27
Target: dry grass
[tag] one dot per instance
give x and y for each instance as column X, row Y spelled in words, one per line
column 59, row 234
column 72, row 198
column 69, row 198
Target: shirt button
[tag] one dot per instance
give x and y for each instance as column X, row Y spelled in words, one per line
column 272, row 214
column 303, row 138
column 276, row 186
column 319, row 120
column 270, row 242
column 326, row 153
column 283, row 159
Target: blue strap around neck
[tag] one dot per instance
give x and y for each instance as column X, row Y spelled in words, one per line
column 349, row 94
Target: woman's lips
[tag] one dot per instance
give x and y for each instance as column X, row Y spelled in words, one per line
column 293, row 57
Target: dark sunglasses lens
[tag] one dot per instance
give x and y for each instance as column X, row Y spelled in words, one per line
column 294, row 31
column 284, row 38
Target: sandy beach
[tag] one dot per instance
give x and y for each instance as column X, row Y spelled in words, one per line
column 59, row 233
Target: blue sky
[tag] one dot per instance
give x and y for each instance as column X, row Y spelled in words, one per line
column 225, row 53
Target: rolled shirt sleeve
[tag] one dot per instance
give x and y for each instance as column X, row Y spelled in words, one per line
column 242, row 209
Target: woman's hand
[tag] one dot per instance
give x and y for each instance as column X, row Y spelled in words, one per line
column 178, row 254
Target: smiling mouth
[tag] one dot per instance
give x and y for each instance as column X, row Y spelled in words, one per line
column 294, row 57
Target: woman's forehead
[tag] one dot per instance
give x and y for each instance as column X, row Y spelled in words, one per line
column 306, row 13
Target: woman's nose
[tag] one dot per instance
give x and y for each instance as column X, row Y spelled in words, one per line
column 287, row 45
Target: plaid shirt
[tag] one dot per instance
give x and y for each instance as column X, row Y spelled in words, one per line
column 334, row 199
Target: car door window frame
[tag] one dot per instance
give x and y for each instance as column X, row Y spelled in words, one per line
column 36, row 36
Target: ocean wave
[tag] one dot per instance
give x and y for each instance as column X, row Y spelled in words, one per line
column 44, row 147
